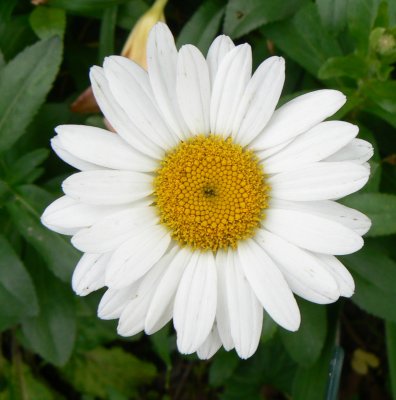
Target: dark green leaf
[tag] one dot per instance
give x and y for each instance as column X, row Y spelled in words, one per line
column 25, row 212
column 379, row 207
column 25, row 167
column 391, row 352
column 84, row 5
column 6, row 8
column 305, row 345
column 361, row 18
column 130, row 12
column 222, row 367
column 243, row 16
column 203, row 26
column 333, row 14
column 123, row 372
column 48, row 21
column 335, row 370
column 52, row 333
column 24, row 84
column 383, row 94
column 162, row 346
column 304, row 39
column 16, row 287
column 352, row 66
column 107, row 30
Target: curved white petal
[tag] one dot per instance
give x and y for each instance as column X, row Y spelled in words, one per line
column 132, row 259
column 337, row 212
column 222, row 312
column 195, row 303
column 102, row 148
column 108, row 187
column 66, row 213
column 133, row 315
column 113, row 230
column 231, row 79
column 305, row 274
column 114, row 301
column 245, row 311
column 342, row 276
column 319, row 181
column 69, row 158
column 167, row 287
column 89, row 273
column 312, row 232
column 259, row 100
column 210, row 345
column 217, row 51
column 299, row 115
column 193, row 89
column 131, row 91
column 358, row 151
column 117, row 117
column 162, row 64
column 314, row 145
column 264, row 154
column 269, row 285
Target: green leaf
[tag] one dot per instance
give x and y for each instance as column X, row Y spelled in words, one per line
column 305, row 345
column 24, row 170
column 352, row 66
column 162, row 345
column 47, row 22
column 123, row 372
column 374, row 273
column 383, row 94
column 243, row 16
column 84, row 5
column 222, row 367
column 361, row 18
column 203, row 26
column 379, row 207
column 107, row 31
column 25, row 212
column 391, row 352
column 16, row 287
column 24, row 84
column 6, row 9
column 52, row 333
column 333, row 14
column 304, row 39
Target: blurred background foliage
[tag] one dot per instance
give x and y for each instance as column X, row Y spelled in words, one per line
column 52, row 344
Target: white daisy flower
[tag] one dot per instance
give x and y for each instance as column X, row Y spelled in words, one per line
column 209, row 206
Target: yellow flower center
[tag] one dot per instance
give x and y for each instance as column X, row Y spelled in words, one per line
column 210, row 193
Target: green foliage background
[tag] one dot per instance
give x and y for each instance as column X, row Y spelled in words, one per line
column 52, row 344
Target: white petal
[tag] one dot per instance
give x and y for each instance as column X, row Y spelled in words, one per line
column 137, row 255
column 210, row 345
column 304, row 273
column 162, row 61
column 299, row 115
column 70, row 158
column 259, row 100
column 346, row 216
column 342, row 276
column 264, row 154
column 193, row 89
column 133, row 315
column 319, row 181
column 245, row 311
column 358, row 151
column 195, row 303
column 90, row 273
column 102, row 148
column 105, row 187
column 318, row 143
column 130, row 89
column 113, row 230
column 222, row 312
column 269, row 285
column 114, row 301
column 166, row 290
column 217, row 51
column 312, row 232
column 118, row 119
column 230, row 83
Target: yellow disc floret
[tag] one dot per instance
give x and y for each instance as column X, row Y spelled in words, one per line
column 210, row 193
